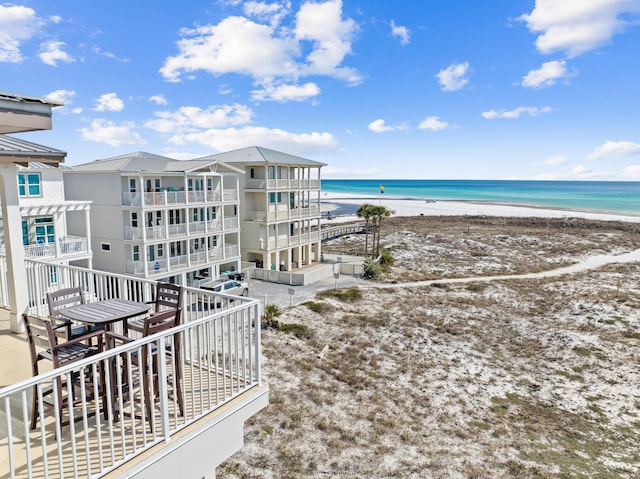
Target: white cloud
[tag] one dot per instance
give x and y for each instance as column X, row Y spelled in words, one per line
column 433, row 123
column 158, row 99
column 65, row 96
column 578, row 26
column 192, row 118
column 268, row 12
column 615, row 149
column 52, row 52
column 555, row 160
column 400, row 32
column 631, row 172
column 103, row 131
column 547, row 75
column 516, row 113
column 302, row 144
column 331, row 37
column 379, row 126
column 580, row 170
column 454, row 77
column 109, row 102
column 283, row 93
column 266, row 52
column 17, row 24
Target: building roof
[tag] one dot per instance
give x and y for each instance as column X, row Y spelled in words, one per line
column 141, row 161
column 25, row 112
column 261, row 155
column 20, row 151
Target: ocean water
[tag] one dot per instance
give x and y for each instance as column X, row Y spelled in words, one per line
column 612, row 197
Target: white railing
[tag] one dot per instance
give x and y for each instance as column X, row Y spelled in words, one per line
column 231, row 223
column 216, row 253
column 231, row 251
column 230, row 195
column 179, row 229
column 293, row 183
column 219, row 356
column 67, row 246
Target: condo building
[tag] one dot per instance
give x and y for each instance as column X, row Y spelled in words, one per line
column 279, row 207
column 159, row 218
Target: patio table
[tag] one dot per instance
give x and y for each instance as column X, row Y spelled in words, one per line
column 103, row 314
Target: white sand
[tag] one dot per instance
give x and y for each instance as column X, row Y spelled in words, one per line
column 403, row 206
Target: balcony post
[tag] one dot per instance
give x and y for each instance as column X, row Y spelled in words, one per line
column 16, row 272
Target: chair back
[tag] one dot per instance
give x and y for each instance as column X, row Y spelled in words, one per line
column 64, row 298
column 168, row 296
column 38, row 338
column 161, row 321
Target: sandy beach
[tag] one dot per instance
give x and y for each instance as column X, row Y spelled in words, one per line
column 341, row 203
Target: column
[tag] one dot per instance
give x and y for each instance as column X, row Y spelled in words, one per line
column 16, row 271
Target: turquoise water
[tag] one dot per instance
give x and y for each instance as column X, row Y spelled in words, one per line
column 613, row 197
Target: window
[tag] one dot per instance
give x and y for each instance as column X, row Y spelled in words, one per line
column 279, row 197
column 160, row 251
column 151, row 253
column 272, row 172
column 136, row 253
column 132, row 185
column 44, row 230
column 252, row 173
column 25, row 233
column 29, row 184
column 105, row 247
column 134, row 220
column 272, row 197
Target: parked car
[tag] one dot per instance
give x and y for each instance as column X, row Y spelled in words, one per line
column 232, row 287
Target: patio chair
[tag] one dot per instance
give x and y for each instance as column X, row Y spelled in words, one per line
column 65, row 298
column 168, row 297
column 147, row 359
column 45, row 345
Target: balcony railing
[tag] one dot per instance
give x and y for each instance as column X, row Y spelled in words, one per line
column 282, row 184
column 283, row 214
column 66, row 247
column 220, row 359
column 166, row 197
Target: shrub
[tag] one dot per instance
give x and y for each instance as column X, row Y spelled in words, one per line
column 372, row 269
column 315, row 307
column 271, row 312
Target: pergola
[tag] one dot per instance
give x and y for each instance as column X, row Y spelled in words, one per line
column 20, row 113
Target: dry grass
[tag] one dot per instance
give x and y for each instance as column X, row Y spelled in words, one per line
column 507, row 379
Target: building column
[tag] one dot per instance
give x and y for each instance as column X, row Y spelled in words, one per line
column 16, row 271
column 87, row 228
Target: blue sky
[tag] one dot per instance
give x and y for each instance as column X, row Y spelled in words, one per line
column 437, row 89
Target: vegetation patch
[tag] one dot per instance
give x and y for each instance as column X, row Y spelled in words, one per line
column 348, row 295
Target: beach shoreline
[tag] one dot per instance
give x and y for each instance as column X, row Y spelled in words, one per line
column 407, row 206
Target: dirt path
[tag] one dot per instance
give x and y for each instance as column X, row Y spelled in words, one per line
column 590, row 263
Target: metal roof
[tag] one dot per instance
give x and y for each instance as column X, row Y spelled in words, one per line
column 142, row 161
column 22, row 152
column 259, row 154
column 17, row 97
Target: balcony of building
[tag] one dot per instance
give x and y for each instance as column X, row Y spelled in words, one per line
column 108, row 433
column 67, row 248
column 179, row 197
column 281, row 184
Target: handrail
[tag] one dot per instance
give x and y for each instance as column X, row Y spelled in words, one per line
column 219, row 357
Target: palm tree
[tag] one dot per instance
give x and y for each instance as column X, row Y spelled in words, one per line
column 378, row 212
column 366, row 211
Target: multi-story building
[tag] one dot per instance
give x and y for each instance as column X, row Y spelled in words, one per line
column 279, row 207
column 53, row 229
column 159, row 218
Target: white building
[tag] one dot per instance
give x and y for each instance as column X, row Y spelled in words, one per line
column 279, row 207
column 53, row 228
column 159, row 218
